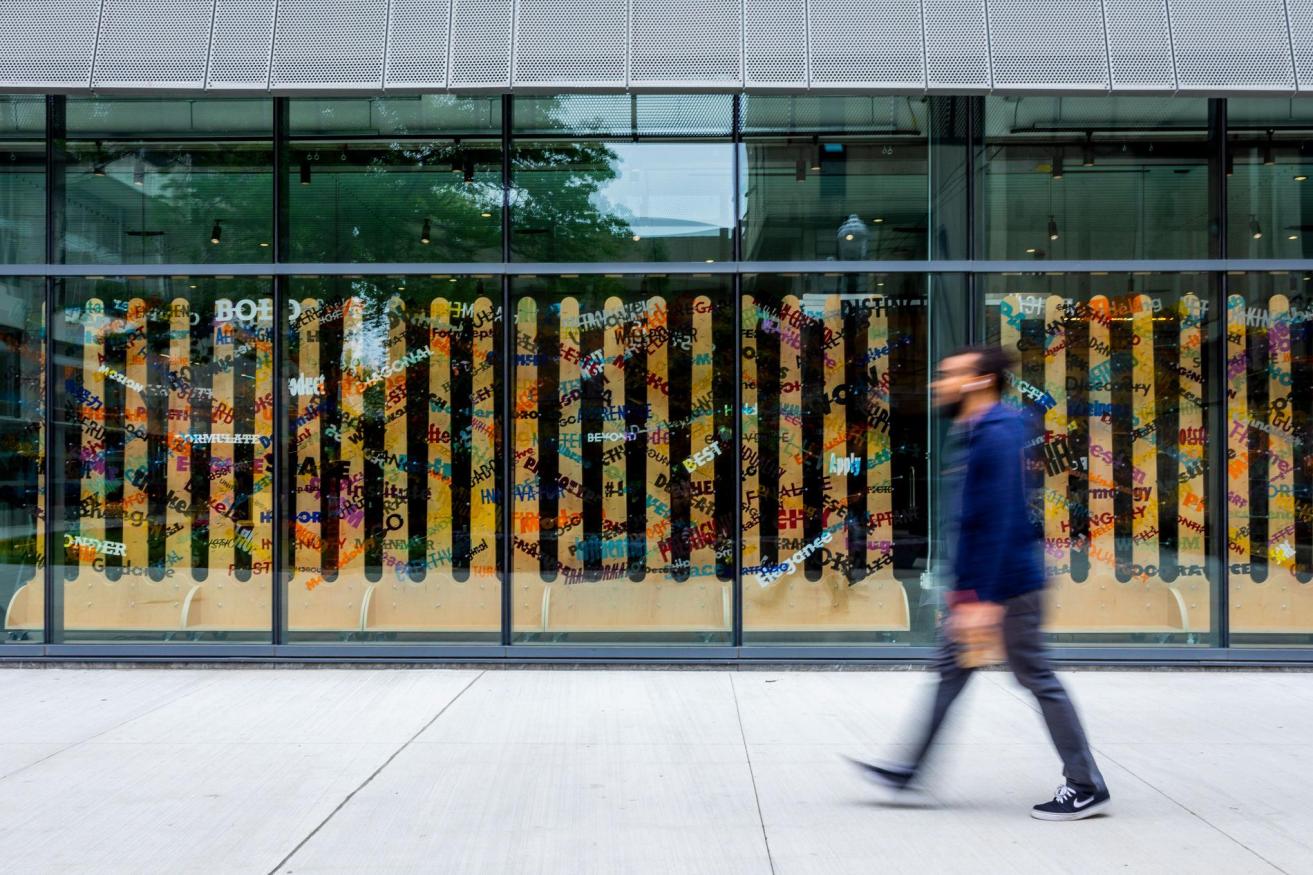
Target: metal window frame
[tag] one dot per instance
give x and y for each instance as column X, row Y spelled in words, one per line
column 734, row 651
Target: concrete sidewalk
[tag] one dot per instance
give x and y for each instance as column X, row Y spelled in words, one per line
column 526, row 771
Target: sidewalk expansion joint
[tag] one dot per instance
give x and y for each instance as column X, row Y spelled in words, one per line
column 365, row 783
column 756, row 797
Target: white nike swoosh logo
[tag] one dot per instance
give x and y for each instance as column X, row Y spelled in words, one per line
column 1077, row 804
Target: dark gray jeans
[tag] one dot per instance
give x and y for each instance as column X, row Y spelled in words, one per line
column 1030, row 663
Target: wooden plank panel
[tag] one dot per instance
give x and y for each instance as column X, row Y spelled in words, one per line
column 309, row 403
column 878, row 462
column 750, row 551
column 355, row 357
column 1192, row 578
column 1144, row 450
column 658, row 441
column 223, row 533
column 178, row 515
column 262, row 480
column 527, row 496
column 702, row 507
column 570, row 389
column 439, row 468
column 396, row 480
column 615, row 514
column 483, row 436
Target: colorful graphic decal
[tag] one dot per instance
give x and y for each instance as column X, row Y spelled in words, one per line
column 830, row 459
column 393, row 464
column 1269, row 466
column 166, row 432
column 623, row 461
column 1118, row 383
column 622, row 433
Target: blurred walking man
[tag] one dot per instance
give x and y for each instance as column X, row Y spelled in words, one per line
column 998, row 572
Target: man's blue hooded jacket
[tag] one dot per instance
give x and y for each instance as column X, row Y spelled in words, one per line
column 998, row 554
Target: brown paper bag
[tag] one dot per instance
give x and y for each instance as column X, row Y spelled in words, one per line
column 977, row 627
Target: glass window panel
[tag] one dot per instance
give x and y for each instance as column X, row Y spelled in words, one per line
column 383, row 180
column 834, row 465
column 663, row 194
column 834, row 178
column 624, row 459
column 1269, row 196
column 1094, row 177
column 1269, row 343
column 167, row 181
column 438, row 114
column 1114, row 370
column 22, row 458
column 625, row 115
column 622, row 201
column 393, row 392
column 163, row 444
column 22, row 179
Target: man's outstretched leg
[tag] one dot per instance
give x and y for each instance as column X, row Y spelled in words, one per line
column 952, row 680
column 1085, row 792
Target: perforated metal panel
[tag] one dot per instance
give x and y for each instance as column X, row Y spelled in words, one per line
column 1225, row 45
column 44, row 45
column 417, row 44
column 571, row 43
column 1139, row 45
column 241, row 44
column 330, row 45
column 775, row 43
column 141, row 48
column 327, row 46
column 1040, row 45
column 686, row 43
column 481, row 43
column 956, row 46
column 1301, row 38
column 844, row 52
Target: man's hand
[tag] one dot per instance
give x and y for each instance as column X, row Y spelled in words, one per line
column 971, row 621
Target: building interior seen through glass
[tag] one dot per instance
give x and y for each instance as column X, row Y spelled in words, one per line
column 1094, row 177
column 1268, row 164
column 622, row 178
column 398, row 179
column 22, row 179
column 575, row 395
column 834, row 178
column 160, row 181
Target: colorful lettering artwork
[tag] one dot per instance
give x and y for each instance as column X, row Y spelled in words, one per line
column 623, row 404
column 1113, row 383
column 622, row 428
column 164, row 442
column 1269, row 466
column 393, row 466
column 834, row 474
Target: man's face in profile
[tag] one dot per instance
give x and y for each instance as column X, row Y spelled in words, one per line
column 954, row 373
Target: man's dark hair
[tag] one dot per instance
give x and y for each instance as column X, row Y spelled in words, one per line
column 990, row 360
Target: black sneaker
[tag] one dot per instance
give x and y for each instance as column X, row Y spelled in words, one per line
column 891, row 775
column 1071, row 804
